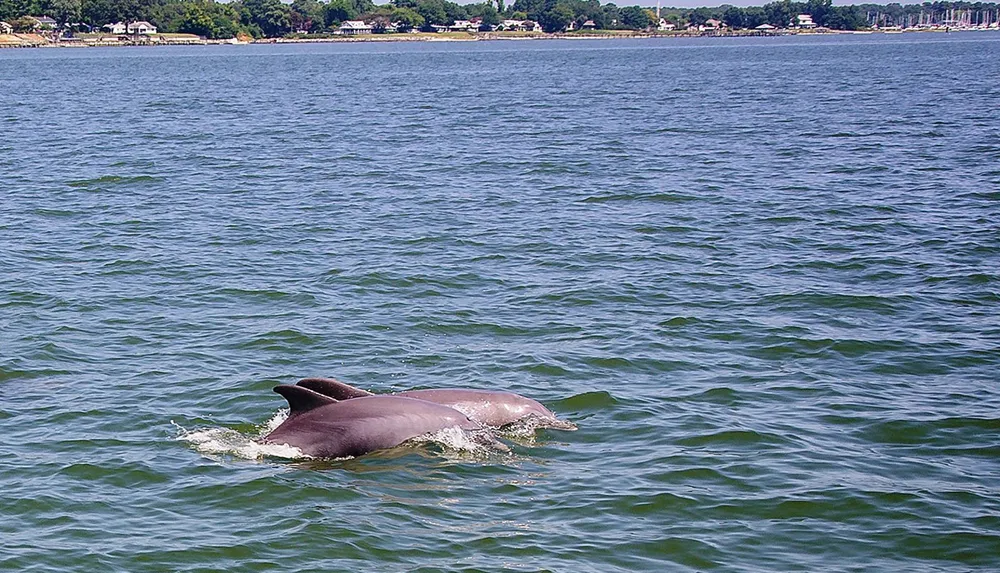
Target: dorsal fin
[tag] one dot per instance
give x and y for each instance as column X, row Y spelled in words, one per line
column 333, row 388
column 301, row 400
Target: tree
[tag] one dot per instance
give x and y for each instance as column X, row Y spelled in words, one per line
column 432, row 11
column 407, row 19
column 307, row 14
column 734, row 17
column 197, row 21
column 819, row 10
column 270, row 16
column 23, row 24
column 491, row 18
column 337, row 11
column 779, row 14
column 699, row 16
column 635, row 18
column 64, row 11
column 556, row 18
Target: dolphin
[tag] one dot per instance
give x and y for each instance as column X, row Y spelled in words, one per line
column 487, row 407
column 323, row 427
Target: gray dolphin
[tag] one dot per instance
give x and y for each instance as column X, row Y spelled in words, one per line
column 323, row 427
column 487, row 407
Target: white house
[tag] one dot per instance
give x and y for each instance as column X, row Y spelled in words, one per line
column 464, row 26
column 520, row 26
column 804, row 21
column 354, row 27
column 664, row 26
column 140, row 27
column 6, row 28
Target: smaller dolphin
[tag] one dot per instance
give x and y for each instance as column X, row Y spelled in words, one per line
column 323, row 427
column 487, row 407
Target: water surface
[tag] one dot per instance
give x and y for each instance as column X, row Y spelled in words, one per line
column 760, row 274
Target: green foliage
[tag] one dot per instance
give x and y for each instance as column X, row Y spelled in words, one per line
column 23, row 24
column 338, row 11
column 407, row 19
column 635, row 18
column 63, row 11
column 307, row 15
column 490, row 16
column 271, row 17
column 432, row 11
column 556, row 18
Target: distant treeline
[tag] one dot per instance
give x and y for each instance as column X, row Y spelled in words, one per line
column 273, row 18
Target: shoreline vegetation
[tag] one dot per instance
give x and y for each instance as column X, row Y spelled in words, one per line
column 86, row 23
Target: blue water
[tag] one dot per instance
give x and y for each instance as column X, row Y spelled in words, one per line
column 761, row 276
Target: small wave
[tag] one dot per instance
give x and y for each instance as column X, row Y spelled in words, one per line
column 112, row 180
column 596, row 400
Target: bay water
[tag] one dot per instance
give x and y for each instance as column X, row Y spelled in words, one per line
column 762, row 276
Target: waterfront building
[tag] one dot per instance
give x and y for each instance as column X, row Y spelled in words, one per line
column 520, row 26
column 140, row 27
column 464, row 26
column 44, row 23
column 804, row 21
column 354, row 27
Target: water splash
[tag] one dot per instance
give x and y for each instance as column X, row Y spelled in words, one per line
column 226, row 441
column 526, row 428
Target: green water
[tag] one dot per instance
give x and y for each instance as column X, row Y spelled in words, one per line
column 759, row 274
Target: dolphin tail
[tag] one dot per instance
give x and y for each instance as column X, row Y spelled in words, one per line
column 333, row 388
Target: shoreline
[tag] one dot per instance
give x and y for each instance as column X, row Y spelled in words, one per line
column 38, row 41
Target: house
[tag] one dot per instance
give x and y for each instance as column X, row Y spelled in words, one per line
column 44, row 22
column 571, row 27
column 354, row 27
column 589, row 25
column 141, row 27
column 6, row 28
column 520, row 26
column 664, row 26
column 710, row 25
column 804, row 21
column 463, row 26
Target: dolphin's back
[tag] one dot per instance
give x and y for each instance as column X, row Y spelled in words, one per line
column 489, row 407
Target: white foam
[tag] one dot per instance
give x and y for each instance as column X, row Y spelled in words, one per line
column 220, row 441
column 455, row 439
column 525, row 428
